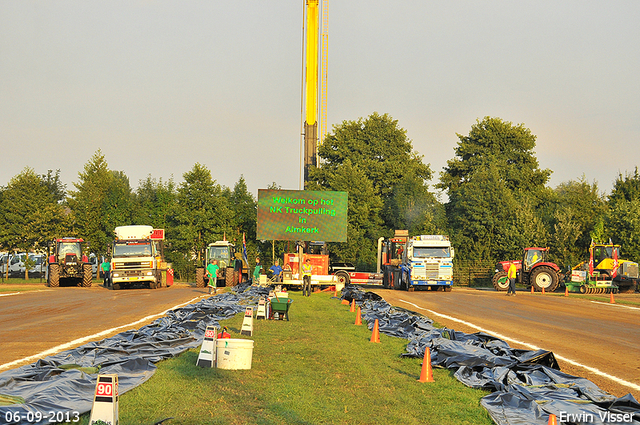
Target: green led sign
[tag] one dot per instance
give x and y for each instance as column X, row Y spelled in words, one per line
column 302, row 215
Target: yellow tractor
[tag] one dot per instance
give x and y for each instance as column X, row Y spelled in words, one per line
column 626, row 277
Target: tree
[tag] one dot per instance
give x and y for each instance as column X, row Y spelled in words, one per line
column 102, row 200
column 494, row 186
column 374, row 155
column 364, row 223
column 622, row 222
column 31, row 215
column 202, row 215
column 153, row 202
column 627, row 189
column 413, row 207
column 244, row 221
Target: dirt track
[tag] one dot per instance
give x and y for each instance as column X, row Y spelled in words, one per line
column 599, row 335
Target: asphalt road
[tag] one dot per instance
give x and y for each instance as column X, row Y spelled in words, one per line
column 35, row 321
column 597, row 335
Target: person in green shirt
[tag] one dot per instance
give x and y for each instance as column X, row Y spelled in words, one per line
column 106, row 272
column 212, row 273
column 256, row 272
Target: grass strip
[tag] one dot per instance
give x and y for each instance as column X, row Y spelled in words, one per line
column 318, row 368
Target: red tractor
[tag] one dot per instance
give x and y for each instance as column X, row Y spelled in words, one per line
column 66, row 261
column 536, row 272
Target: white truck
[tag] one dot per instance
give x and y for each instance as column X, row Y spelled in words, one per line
column 136, row 257
column 427, row 263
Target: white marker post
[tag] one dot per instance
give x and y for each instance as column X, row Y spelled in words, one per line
column 262, row 309
column 105, row 401
column 247, row 323
column 207, row 356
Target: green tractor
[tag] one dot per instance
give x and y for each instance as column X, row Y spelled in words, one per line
column 233, row 269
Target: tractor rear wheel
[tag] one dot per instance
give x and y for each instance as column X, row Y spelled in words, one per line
column 87, row 276
column 54, row 276
column 544, row 277
column 500, row 281
column 199, row 277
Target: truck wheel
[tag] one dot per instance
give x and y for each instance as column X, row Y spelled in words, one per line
column 199, row 277
column 544, row 277
column 115, row 286
column 447, row 289
column 54, row 276
column 385, row 278
column 229, row 277
column 343, row 278
column 500, row 281
column 87, row 277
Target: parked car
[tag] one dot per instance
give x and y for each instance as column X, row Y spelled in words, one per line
column 4, row 259
column 93, row 260
column 39, row 268
column 16, row 264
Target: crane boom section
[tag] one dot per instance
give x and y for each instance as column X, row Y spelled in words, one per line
column 312, row 62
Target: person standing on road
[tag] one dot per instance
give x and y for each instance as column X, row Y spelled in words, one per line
column 212, row 272
column 307, row 270
column 511, row 274
column 106, row 272
column 277, row 271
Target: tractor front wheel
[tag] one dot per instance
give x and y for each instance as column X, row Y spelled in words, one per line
column 500, row 281
column 544, row 277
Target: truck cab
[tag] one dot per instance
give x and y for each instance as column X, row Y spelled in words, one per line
column 428, row 263
column 136, row 258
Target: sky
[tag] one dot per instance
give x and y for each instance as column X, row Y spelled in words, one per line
column 158, row 86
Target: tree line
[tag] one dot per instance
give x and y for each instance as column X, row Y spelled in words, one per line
column 498, row 201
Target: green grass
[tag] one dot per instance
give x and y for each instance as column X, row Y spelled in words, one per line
column 319, row 368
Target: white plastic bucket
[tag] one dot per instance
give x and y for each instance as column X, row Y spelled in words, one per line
column 234, row 353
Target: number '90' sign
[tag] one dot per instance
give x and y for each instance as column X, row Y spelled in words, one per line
column 106, row 389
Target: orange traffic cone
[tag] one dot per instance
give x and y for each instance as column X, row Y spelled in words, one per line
column 344, row 302
column 375, row 335
column 353, row 306
column 532, row 289
column 552, row 420
column 611, row 300
column 566, row 291
column 426, row 375
column 358, row 317
column 543, row 290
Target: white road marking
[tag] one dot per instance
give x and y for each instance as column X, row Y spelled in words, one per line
column 530, row 346
column 616, row 305
column 24, row 292
column 79, row 341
